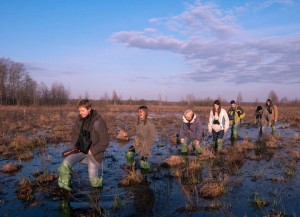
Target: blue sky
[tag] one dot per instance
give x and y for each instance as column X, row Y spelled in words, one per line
column 143, row 49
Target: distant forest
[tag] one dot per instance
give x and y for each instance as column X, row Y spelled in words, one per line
column 18, row 88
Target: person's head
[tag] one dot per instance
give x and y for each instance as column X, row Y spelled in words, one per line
column 232, row 104
column 217, row 106
column 269, row 102
column 259, row 109
column 84, row 107
column 188, row 115
column 143, row 112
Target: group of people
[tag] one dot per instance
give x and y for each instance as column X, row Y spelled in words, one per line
column 90, row 136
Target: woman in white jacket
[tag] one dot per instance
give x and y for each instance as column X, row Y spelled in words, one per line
column 218, row 124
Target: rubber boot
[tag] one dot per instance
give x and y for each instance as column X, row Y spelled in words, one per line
column 64, row 179
column 184, row 148
column 214, row 146
column 129, row 155
column 220, row 144
column 96, row 182
column 144, row 163
column 234, row 132
column 273, row 130
column 198, row 149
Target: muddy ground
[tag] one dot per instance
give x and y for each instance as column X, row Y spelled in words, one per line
column 254, row 177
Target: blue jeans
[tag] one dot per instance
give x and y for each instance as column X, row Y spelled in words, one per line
column 93, row 165
column 217, row 135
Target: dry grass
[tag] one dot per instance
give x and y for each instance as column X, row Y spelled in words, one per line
column 10, row 168
column 43, row 178
column 25, row 190
column 270, row 141
column 132, row 178
column 27, row 155
column 175, row 160
column 207, row 154
column 212, row 189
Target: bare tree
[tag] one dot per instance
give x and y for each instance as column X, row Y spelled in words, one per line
column 190, row 99
column 273, row 96
column 239, row 98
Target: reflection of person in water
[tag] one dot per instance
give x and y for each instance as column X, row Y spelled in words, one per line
column 144, row 199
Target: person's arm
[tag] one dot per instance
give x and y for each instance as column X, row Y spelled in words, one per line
column 226, row 121
column 210, row 121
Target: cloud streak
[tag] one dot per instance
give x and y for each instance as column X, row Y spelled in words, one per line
column 211, row 42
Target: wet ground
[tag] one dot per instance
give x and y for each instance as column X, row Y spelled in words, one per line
column 265, row 182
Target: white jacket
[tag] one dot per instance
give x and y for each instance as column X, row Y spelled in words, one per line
column 223, row 119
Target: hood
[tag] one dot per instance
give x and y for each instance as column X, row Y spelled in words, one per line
column 192, row 121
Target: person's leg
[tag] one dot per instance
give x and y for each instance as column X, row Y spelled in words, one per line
column 129, row 155
column 214, row 140
column 144, row 164
column 235, row 131
column 273, row 128
column 93, row 169
column 64, row 170
column 184, row 146
column 220, row 140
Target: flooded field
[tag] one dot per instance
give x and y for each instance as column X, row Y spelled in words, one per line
column 250, row 178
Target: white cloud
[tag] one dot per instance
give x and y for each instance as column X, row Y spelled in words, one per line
column 213, row 52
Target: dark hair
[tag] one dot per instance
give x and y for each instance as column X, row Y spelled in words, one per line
column 269, row 100
column 258, row 108
column 232, row 102
column 217, row 102
column 145, row 109
column 84, row 103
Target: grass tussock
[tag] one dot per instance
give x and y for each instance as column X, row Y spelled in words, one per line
column 44, row 178
column 212, row 189
column 207, row 154
column 27, row 155
column 21, row 143
column 25, row 190
column 132, row 178
column 295, row 154
column 270, row 141
column 175, row 160
column 122, row 135
column 10, row 168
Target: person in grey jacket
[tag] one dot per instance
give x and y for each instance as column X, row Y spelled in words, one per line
column 144, row 138
column 263, row 118
column 190, row 132
column 92, row 125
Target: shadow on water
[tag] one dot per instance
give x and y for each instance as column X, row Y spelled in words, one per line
column 252, row 180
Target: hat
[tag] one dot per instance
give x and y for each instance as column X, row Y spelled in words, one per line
column 232, row 102
column 258, row 108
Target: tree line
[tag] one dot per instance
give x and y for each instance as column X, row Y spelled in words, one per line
column 18, row 88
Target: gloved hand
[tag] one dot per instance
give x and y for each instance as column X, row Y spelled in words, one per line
column 239, row 113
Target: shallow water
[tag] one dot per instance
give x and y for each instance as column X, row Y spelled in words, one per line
column 162, row 194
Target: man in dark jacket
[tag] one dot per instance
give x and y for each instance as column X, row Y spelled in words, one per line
column 90, row 137
column 190, row 132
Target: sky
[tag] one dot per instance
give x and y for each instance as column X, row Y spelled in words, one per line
column 153, row 49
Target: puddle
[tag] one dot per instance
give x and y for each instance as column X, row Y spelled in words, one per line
column 260, row 178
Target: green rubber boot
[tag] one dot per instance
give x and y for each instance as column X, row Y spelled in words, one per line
column 198, row 149
column 144, row 163
column 214, row 146
column 184, row 148
column 273, row 130
column 64, row 179
column 129, row 155
column 235, row 132
column 220, row 144
column 96, row 182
